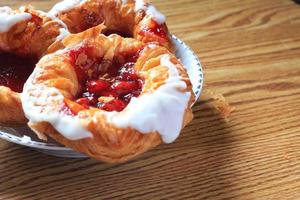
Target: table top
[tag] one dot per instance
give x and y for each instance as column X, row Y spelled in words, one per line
column 251, row 54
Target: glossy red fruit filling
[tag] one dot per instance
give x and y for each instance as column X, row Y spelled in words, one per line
column 97, row 86
column 113, row 105
column 156, row 29
column 107, row 85
column 15, row 70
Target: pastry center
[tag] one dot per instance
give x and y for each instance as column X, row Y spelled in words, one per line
column 15, row 70
column 106, row 84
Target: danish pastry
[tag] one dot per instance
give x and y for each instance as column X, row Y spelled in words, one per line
column 130, row 18
column 25, row 35
column 109, row 97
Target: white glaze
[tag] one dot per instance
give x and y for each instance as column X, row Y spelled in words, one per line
column 43, row 104
column 5, row 9
column 161, row 111
column 156, row 15
column 140, row 5
column 152, row 46
column 64, row 6
column 8, row 18
column 63, row 33
column 22, row 8
column 150, row 10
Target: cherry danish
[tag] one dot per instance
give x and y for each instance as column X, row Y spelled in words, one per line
column 111, row 98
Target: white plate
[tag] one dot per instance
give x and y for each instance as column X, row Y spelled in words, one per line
column 24, row 136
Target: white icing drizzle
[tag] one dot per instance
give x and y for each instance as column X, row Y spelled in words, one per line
column 64, row 6
column 152, row 46
column 140, row 5
column 63, row 33
column 43, row 104
column 5, row 9
column 156, row 15
column 22, row 8
column 150, row 10
column 8, row 19
column 161, row 111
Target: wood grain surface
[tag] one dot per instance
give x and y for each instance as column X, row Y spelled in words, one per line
column 251, row 53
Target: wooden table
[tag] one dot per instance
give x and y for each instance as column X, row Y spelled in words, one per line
column 251, row 53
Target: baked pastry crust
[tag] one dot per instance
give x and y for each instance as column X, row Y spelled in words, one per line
column 11, row 111
column 30, row 37
column 108, row 143
column 138, row 19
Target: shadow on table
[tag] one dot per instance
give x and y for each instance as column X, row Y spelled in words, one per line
column 297, row 1
column 197, row 165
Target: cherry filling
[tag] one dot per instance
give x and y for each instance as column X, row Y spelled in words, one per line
column 15, row 70
column 155, row 29
column 107, row 85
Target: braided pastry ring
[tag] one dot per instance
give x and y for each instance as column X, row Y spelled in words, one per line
column 156, row 114
column 134, row 18
column 25, row 35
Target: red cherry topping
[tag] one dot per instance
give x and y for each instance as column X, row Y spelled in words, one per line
column 127, row 72
column 85, row 102
column 156, row 29
column 124, row 87
column 97, row 86
column 109, row 93
column 113, row 105
column 116, row 81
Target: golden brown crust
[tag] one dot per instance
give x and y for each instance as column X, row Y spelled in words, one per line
column 31, row 37
column 27, row 38
column 109, row 143
column 112, row 146
column 116, row 16
column 11, row 112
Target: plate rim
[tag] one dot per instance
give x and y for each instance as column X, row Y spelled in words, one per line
column 199, row 64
